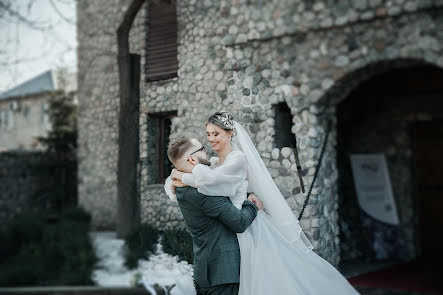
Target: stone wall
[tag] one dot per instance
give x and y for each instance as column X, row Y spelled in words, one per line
column 158, row 210
column 244, row 57
column 22, row 120
column 310, row 71
column 21, row 181
column 98, row 90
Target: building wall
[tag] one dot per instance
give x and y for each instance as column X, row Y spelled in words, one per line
column 313, row 70
column 97, row 77
column 244, row 57
column 22, row 120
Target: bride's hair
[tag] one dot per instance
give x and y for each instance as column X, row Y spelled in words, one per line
column 224, row 120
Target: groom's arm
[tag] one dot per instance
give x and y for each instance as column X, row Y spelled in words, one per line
column 223, row 209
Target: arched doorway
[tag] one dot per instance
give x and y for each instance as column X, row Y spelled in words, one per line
column 397, row 114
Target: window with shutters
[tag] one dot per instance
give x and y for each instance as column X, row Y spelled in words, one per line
column 161, row 43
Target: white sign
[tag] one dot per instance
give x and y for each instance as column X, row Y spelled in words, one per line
column 373, row 187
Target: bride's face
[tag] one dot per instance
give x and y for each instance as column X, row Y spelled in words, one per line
column 218, row 137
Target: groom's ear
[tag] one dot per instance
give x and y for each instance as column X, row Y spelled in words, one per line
column 192, row 160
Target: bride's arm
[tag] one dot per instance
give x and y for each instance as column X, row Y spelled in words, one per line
column 169, row 189
column 220, row 181
column 171, row 185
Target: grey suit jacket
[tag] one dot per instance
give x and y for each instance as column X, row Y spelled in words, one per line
column 214, row 222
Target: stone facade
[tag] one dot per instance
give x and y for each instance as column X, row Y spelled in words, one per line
column 22, row 120
column 245, row 57
column 98, row 107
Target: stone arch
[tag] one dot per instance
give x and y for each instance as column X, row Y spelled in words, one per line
column 338, row 90
column 333, row 93
column 128, row 199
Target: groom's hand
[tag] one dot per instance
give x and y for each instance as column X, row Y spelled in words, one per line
column 178, row 183
column 176, row 175
column 254, row 199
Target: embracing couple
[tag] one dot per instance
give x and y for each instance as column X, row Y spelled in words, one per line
column 242, row 245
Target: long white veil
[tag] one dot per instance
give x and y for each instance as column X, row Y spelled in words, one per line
column 262, row 184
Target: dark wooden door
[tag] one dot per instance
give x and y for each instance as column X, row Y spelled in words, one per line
column 429, row 172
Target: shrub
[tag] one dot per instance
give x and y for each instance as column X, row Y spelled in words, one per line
column 6, row 245
column 60, row 253
column 70, row 253
column 26, row 227
column 61, row 145
column 25, row 268
column 77, row 214
column 140, row 244
column 178, row 242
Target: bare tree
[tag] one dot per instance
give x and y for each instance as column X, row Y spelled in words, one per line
column 11, row 11
column 17, row 17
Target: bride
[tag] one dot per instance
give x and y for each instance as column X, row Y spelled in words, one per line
column 276, row 256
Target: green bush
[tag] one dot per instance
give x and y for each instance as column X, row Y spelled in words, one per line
column 40, row 253
column 25, row 268
column 61, row 147
column 178, row 242
column 6, row 245
column 79, row 259
column 26, row 227
column 77, row 214
column 140, row 244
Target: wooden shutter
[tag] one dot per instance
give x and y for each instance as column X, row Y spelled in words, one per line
column 161, row 45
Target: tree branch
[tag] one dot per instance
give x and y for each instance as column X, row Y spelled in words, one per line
column 60, row 14
column 7, row 7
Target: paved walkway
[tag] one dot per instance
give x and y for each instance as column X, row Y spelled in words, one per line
column 350, row 270
column 367, row 291
column 354, row 269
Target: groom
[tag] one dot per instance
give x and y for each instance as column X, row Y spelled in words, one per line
column 213, row 222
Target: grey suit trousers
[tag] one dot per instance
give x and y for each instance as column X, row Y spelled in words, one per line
column 224, row 289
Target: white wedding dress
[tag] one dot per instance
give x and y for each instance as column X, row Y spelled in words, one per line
column 270, row 262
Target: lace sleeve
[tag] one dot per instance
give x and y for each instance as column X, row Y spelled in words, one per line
column 220, row 181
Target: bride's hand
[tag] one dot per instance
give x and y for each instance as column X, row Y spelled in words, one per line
column 254, row 199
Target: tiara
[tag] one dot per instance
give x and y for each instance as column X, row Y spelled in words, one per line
column 227, row 120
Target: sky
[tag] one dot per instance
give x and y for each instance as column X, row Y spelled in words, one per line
column 36, row 36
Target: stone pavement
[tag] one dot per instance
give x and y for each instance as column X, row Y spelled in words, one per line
column 371, row 291
column 354, row 269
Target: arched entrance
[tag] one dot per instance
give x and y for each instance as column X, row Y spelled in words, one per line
column 397, row 114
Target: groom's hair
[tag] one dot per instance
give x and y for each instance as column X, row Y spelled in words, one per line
column 177, row 149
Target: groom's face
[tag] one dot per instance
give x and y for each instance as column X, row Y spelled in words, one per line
column 195, row 155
